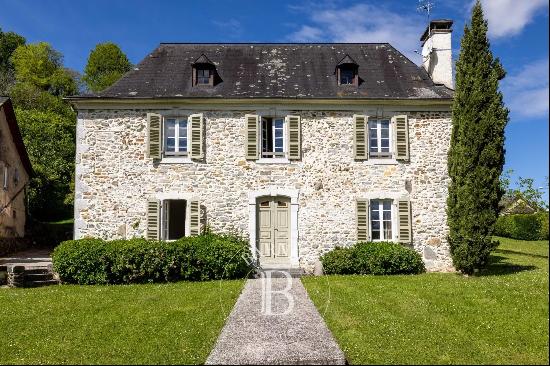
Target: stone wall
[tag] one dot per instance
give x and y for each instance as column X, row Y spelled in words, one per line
column 114, row 178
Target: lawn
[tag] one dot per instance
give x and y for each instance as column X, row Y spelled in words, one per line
column 436, row 318
column 175, row 323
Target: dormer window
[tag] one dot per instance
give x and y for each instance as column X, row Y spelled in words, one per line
column 204, row 76
column 347, row 72
column 347, row 76
column 204, row 72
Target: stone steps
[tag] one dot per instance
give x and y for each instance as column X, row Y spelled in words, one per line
column 293, row 272
column 21, row 276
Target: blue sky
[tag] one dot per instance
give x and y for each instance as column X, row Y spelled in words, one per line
column 518, row 32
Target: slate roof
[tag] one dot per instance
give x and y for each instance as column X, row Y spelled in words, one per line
column 6, row 105
column 301, row 71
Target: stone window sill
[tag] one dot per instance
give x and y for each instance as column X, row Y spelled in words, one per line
column 176, row 160
column 273, row 161
column 378, row 161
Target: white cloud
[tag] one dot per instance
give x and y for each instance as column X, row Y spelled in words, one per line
column 364, row 23
column 508, row 17
column 526, row 93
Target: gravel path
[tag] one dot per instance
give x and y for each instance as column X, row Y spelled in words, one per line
column 295, row 335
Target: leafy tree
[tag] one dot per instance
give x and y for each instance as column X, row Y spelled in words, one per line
column 106, row 64
column 525, row 189
column 38, row 64
column 8, row 43
column 476, row 155
column 49, row 139
column 47, row 125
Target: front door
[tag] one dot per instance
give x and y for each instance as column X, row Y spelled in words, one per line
column 274, row 230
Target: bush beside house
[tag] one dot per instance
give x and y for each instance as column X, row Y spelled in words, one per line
column 198, row 258
column 381, row 258
column 523, row 226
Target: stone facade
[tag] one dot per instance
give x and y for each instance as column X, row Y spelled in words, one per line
column 12, row 188
column 114, row 178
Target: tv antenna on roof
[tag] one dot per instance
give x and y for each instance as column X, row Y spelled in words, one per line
column 426, row 6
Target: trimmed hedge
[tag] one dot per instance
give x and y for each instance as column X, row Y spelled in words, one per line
column 523, row 226
column 199, row 258
column 378, row 258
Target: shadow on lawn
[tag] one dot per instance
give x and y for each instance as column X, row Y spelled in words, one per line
column 507, row 251
column 497, row 266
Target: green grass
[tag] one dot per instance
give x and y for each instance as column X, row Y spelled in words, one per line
column 134, row 324
column 499, row 317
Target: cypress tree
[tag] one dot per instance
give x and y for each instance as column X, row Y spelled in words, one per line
column 476, row 155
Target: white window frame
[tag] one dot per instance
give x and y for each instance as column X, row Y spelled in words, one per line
column 177, row 152
column 391, row 152
column 284, row 154
column 165, row 221
column 381, row 219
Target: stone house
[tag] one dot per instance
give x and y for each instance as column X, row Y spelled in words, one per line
column 15, row 170
column 299, row 147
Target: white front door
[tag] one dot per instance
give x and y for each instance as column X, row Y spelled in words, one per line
column 274, row 230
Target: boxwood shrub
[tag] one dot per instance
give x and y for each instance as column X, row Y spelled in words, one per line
column 200, row 258
column 523, row 226
column 378, row 258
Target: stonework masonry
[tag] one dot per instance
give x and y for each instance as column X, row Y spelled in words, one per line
column 114, row 178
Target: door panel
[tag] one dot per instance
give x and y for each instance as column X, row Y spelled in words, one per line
column 274, row 229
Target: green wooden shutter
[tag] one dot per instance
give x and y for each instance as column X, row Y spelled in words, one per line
column 153, row 219
column 404, row 220
column 252, row 127
column 362, row 216
column 154, row 128
column 194, row 218
column 401, row 141
column 294, row 137
column 360, row 138
column 196, row 128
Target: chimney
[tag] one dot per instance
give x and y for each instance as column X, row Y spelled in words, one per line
column 436, row 52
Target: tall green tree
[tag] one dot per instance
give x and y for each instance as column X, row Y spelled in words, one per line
column 41, row 66
column 106, row 64
column 9, row 41
column 47, row 126
column 476, row 155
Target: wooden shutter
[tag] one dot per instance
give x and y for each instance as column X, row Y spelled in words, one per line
column 196, row 127
column 252, row 127
column 401, row 137
column 362, row 215
column 294, row 137
column 154, row 128
column 194, row 218
column 404, row 220
column 153, row 219
column 360, row 137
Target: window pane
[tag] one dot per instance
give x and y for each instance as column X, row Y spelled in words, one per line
column 376, row 225
column 375, row 235
column 170, row 144
column 183, row 144
column 385, row 133
column 387, row 205
column 385, row 143
column 346, row 76
column 387, row 230
column 374, row 144
column 385, row 124
column 387, row 215
column 170, row 127
column 183, row 128
column 374, row 215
